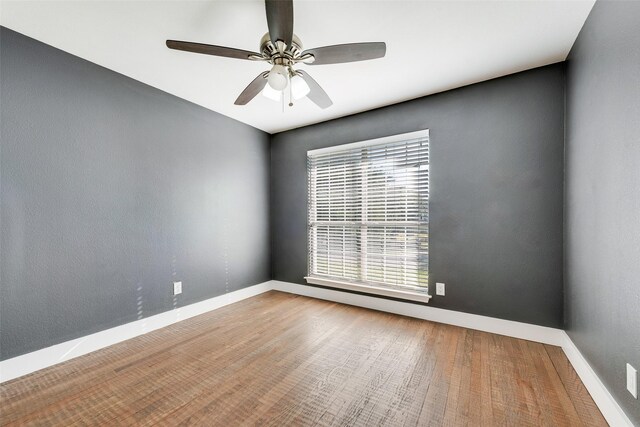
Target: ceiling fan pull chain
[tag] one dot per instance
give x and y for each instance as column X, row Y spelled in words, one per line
column 290, row 93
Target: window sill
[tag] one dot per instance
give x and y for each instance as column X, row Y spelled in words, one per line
column 373, row 290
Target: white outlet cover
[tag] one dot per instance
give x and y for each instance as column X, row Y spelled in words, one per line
column 177, row 288
column 440, row 289
column 632, row 380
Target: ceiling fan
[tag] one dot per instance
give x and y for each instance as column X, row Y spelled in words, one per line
column 281, row 48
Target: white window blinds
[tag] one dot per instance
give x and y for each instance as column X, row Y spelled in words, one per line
column 369, row 212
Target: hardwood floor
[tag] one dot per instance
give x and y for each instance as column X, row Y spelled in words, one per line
column 279, row 359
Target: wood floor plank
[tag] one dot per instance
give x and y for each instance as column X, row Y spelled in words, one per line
column 434, row 407
column 455, row 407
column 281, row 359
column 422, row 374
column 486, row 408
column 464, row 392
column 563, row 409
column 534, row 386
column 586, row 408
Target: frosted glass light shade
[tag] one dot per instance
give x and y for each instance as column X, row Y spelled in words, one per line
column 299, row 88
column 271, row 93
column 278, row 77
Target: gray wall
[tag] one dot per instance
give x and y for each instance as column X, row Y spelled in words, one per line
column 602, row 272
column 110, row 190
column 496, row 192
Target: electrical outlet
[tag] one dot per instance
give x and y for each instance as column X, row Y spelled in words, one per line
column 632, row 380
column 177, row 288
column 440, row 289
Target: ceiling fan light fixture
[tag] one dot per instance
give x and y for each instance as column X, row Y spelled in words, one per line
column 271, row 93
column 278, row 77
column 281, row 48
column 299, row 88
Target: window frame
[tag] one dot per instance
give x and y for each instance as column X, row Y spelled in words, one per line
column 404, row 292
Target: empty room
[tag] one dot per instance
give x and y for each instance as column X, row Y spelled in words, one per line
column 320, row 212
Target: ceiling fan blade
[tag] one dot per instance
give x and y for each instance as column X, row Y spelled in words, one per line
column 209, row 49
column 316, row 93
column 254, row 88
column 350, row 52
column 280, row 20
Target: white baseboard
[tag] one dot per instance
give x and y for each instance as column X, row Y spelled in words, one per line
column 509, row 328
column 31, row 362
column 610, row 409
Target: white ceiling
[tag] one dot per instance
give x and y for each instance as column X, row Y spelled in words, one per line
column 432, row 46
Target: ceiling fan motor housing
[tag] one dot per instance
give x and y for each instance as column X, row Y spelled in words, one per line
column 281, row 54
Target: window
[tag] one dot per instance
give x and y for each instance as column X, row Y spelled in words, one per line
column 369, row 215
